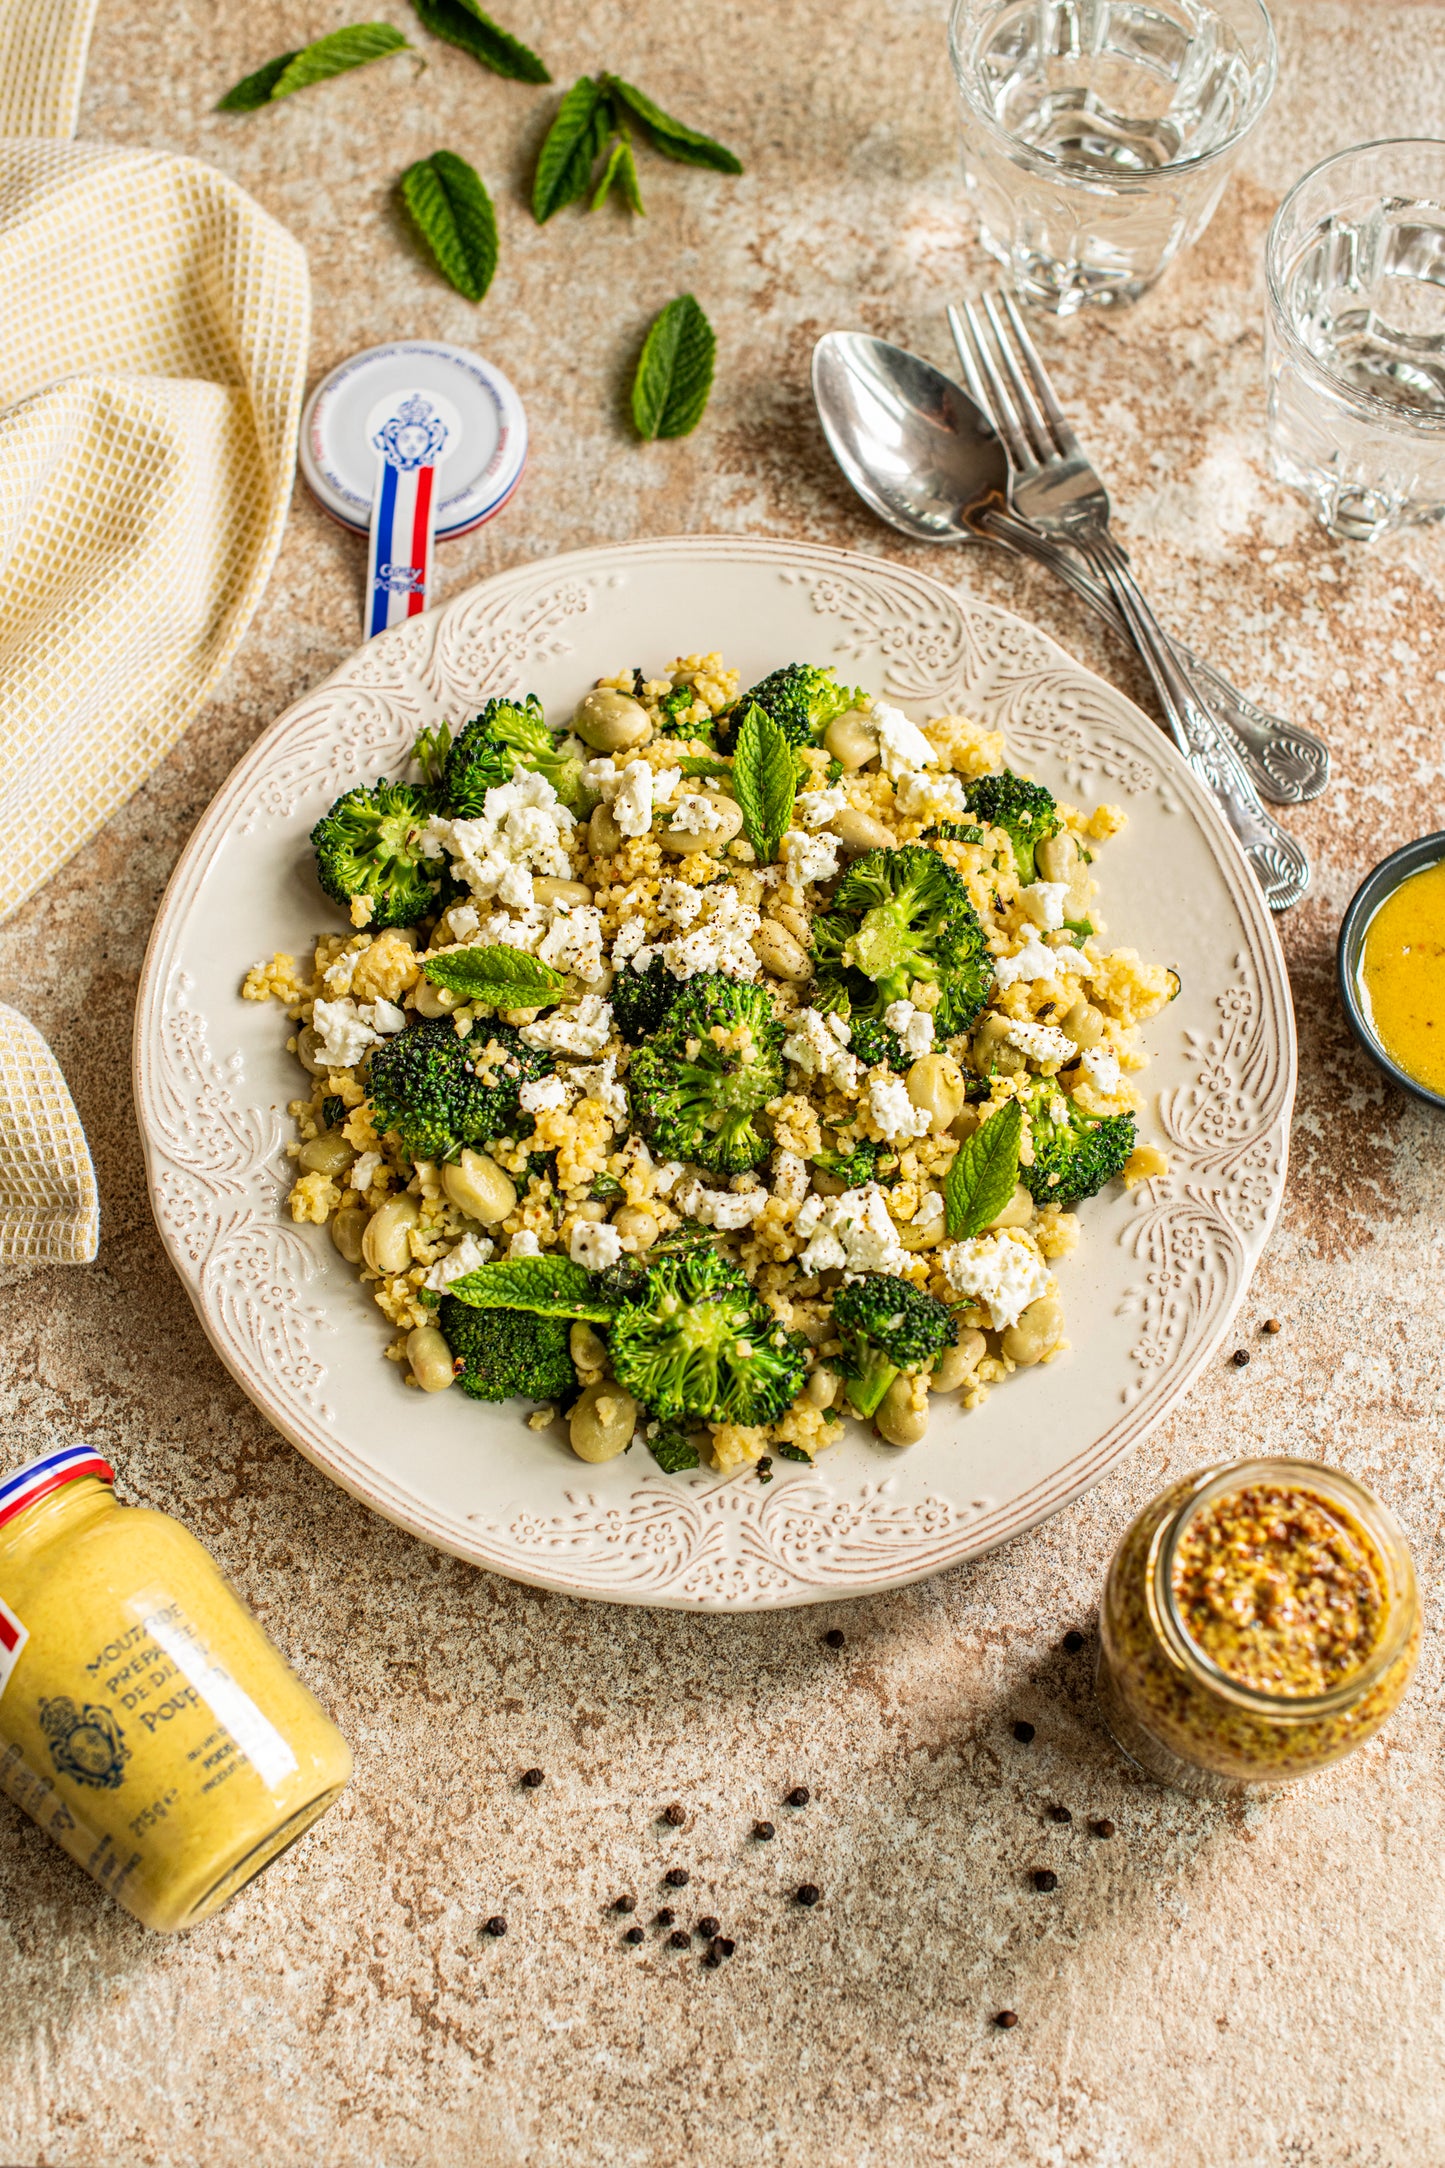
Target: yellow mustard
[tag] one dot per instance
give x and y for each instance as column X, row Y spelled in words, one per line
column 146, row 1722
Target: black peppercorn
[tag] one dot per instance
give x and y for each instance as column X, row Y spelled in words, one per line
column 1073, row 1641
column 679, row 1939
column 1023, row 1733
column 1007, row 2019
column 625, row 1904
column 763, row 1831
column 633, row 1935
column 663, row 1918
column 674, row 1815
column 1102, row 1829
column 1240, row 1358
column 1060, row 1814
column 835, row 1637
column 707, row 1926
column 726, row 1944
column 677, row 1878
column 799, row 1796
column 808, row 1893
column 496, row 1925
column 712, row 1960
column 532, row 1778
column 1045, row 1878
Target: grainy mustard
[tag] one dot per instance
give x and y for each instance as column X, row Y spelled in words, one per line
column 146, row 1722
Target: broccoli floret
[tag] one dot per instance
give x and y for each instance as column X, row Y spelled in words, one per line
column 867, row 1160
column 877, row 1044
column 508, row 1354
column 801, row 699
column 697, row 1345
column 369, row 844
column 441, row 1092
column 1074, row 1153
column 499, row 741
column 696, row 1084
column 671, row 709
column 899, row 916
column 1025, row 811
column 641, row 999
column 887, row 1327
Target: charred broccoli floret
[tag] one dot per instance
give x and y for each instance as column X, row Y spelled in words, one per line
column 887, row 1327
column 697, row 1345
column 877, row 1044
column 507, row 736
column 641, row 999
column 801, row 699
column 1025, row 811
column 442, row 1093
column 696, row 1084
column 369, row 844
column 899, row 916
column 508, row 1354
column 1074, row 1153
column 863, row 1164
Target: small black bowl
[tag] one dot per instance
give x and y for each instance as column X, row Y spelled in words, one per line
column 1371, row 893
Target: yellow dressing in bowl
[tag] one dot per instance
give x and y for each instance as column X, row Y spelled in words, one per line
column 1402, row 976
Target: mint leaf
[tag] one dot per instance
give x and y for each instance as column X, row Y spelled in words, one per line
column 254, row 91
column 698, row 764
column 454, row 215
column 335, row 54
column 981, row 1180
column 462, row 23
column 672, row 137
column 564, row 163
column 500, row 978
column 622, row 168
column 673, row 1451
column 547, row 1286
column 765, row 781
column 674, row 371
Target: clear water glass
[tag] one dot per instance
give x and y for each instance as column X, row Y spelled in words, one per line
column 1355, row 338
column 1098, row 134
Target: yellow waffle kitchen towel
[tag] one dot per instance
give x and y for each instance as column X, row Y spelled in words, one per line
column 153, row 335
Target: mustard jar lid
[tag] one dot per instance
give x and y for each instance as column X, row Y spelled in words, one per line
column 39, row 1477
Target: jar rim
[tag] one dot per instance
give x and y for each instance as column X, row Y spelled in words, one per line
column 36, row 1479
column 1379, row 1524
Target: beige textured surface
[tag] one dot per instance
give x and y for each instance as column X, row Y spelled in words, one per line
column 1216, row 1988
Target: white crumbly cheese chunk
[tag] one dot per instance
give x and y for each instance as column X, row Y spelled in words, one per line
column 808, row 858
column 723, row 943
column 524, row 1244
column 461, row 922
column 930, row 1207
column 599, row 1082
column 509, row 930
column 1101, row 1067
column 696, row 815
column 581, row 1030
column 632, row 807
column 913, row 1026
column 682, row 904
column 542, row 1093
column 724, row 1209
column 522, row 825
column 852, row 1233
column 665, row 1177
column 602, row 776
column 818, row 807
column 901, row 744
column 594, row 1245
column 1043, row 902
column 336, row 978
column 383, row 1016
column 942, row 795
column 891, row 1108
column 664, row 785
column 515, row 889
column 791, row 1180
column 470, row 1252
column 344, row 1033
column 818, row 1045
column 363, row 1169
column 573, row 941
column 1003, row 1270
column 1035, row 960
column 1041, row 1042
column 629, row 940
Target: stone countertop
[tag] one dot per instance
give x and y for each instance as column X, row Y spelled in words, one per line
column 1242, row 1987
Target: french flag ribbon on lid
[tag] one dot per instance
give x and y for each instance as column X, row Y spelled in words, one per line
column 38, row 1477
column 13, row 1637
column 409, row 444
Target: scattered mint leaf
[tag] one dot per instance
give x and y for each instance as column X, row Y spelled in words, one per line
column 605, row 1185
column 453, row 212
column 673, row 1451
column 1081, row 928
column 547, row 1286
column 698, row 764
column 981, row 1180
column 621, row 167
column 564, row 163
column 785, row 1451
column 499, row 978
column 672, row 137
column 674, row 371
column 335, row 54
column 462, row 23
column 765, row 779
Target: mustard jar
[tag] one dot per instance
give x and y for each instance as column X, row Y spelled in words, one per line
column 146, row 1721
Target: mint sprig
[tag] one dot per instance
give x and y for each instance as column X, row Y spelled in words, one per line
column 453, row 213
column 765, row 781
column 498, row 977
column 462, row 23
column 547, row 1286
column 569, row 149
column 674, row 371
column 621, row 167
column 335, row 54
column 672, row 137
column 985, row 1170
column 595, row 120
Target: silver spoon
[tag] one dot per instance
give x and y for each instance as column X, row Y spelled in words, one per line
column 922, row 456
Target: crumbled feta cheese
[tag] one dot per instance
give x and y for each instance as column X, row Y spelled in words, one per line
column 891, row 1108
column 818, row 1045
column 522, row 824
column 344, row 1034
column 721, row 948
column 574, row 940
column 1043, row 902
column 818, row 807
column 460, row 923
column 901, row 744
column 515, row 889
column 524, row 1244
column 942, row 795
column 469, row 1253
column 666, row 1176
column 808, row 858
column 599, row 1082
column 720, row 1208
column 602, row 776
column 1101, row 1067
column 632, row 807
column 1041, row 1042
column 510, row 931
column 1003, row 1270
column 791, row 1180
column 696, row 815
column 681, row 903
column 383, row 1016
column 629, row 941
column 543, row 1092
column 664, row 785
column 595, row 1245
column 581, row 1029
column 913, row 1026
column 852, row 1233
column 336, row 978
column 1035, row 960
column 363, row 1169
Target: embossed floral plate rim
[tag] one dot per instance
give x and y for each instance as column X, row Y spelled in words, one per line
column 1159, row 1278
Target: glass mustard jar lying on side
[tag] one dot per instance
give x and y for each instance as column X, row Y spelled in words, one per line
column 1259, row 1621
column 146, row 1722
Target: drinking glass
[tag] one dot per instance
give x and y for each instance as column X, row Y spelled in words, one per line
column 1098, row 134
column 1355, row 338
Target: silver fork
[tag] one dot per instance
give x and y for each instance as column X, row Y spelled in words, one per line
column 1054, row 487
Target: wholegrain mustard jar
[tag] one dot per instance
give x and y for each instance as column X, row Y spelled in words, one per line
column 1259, row 1622
column 146, row 1722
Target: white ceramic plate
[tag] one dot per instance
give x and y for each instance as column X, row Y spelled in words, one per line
column 1149, row 1295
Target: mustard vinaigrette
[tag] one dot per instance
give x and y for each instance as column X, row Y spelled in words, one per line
column 1402, row 976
